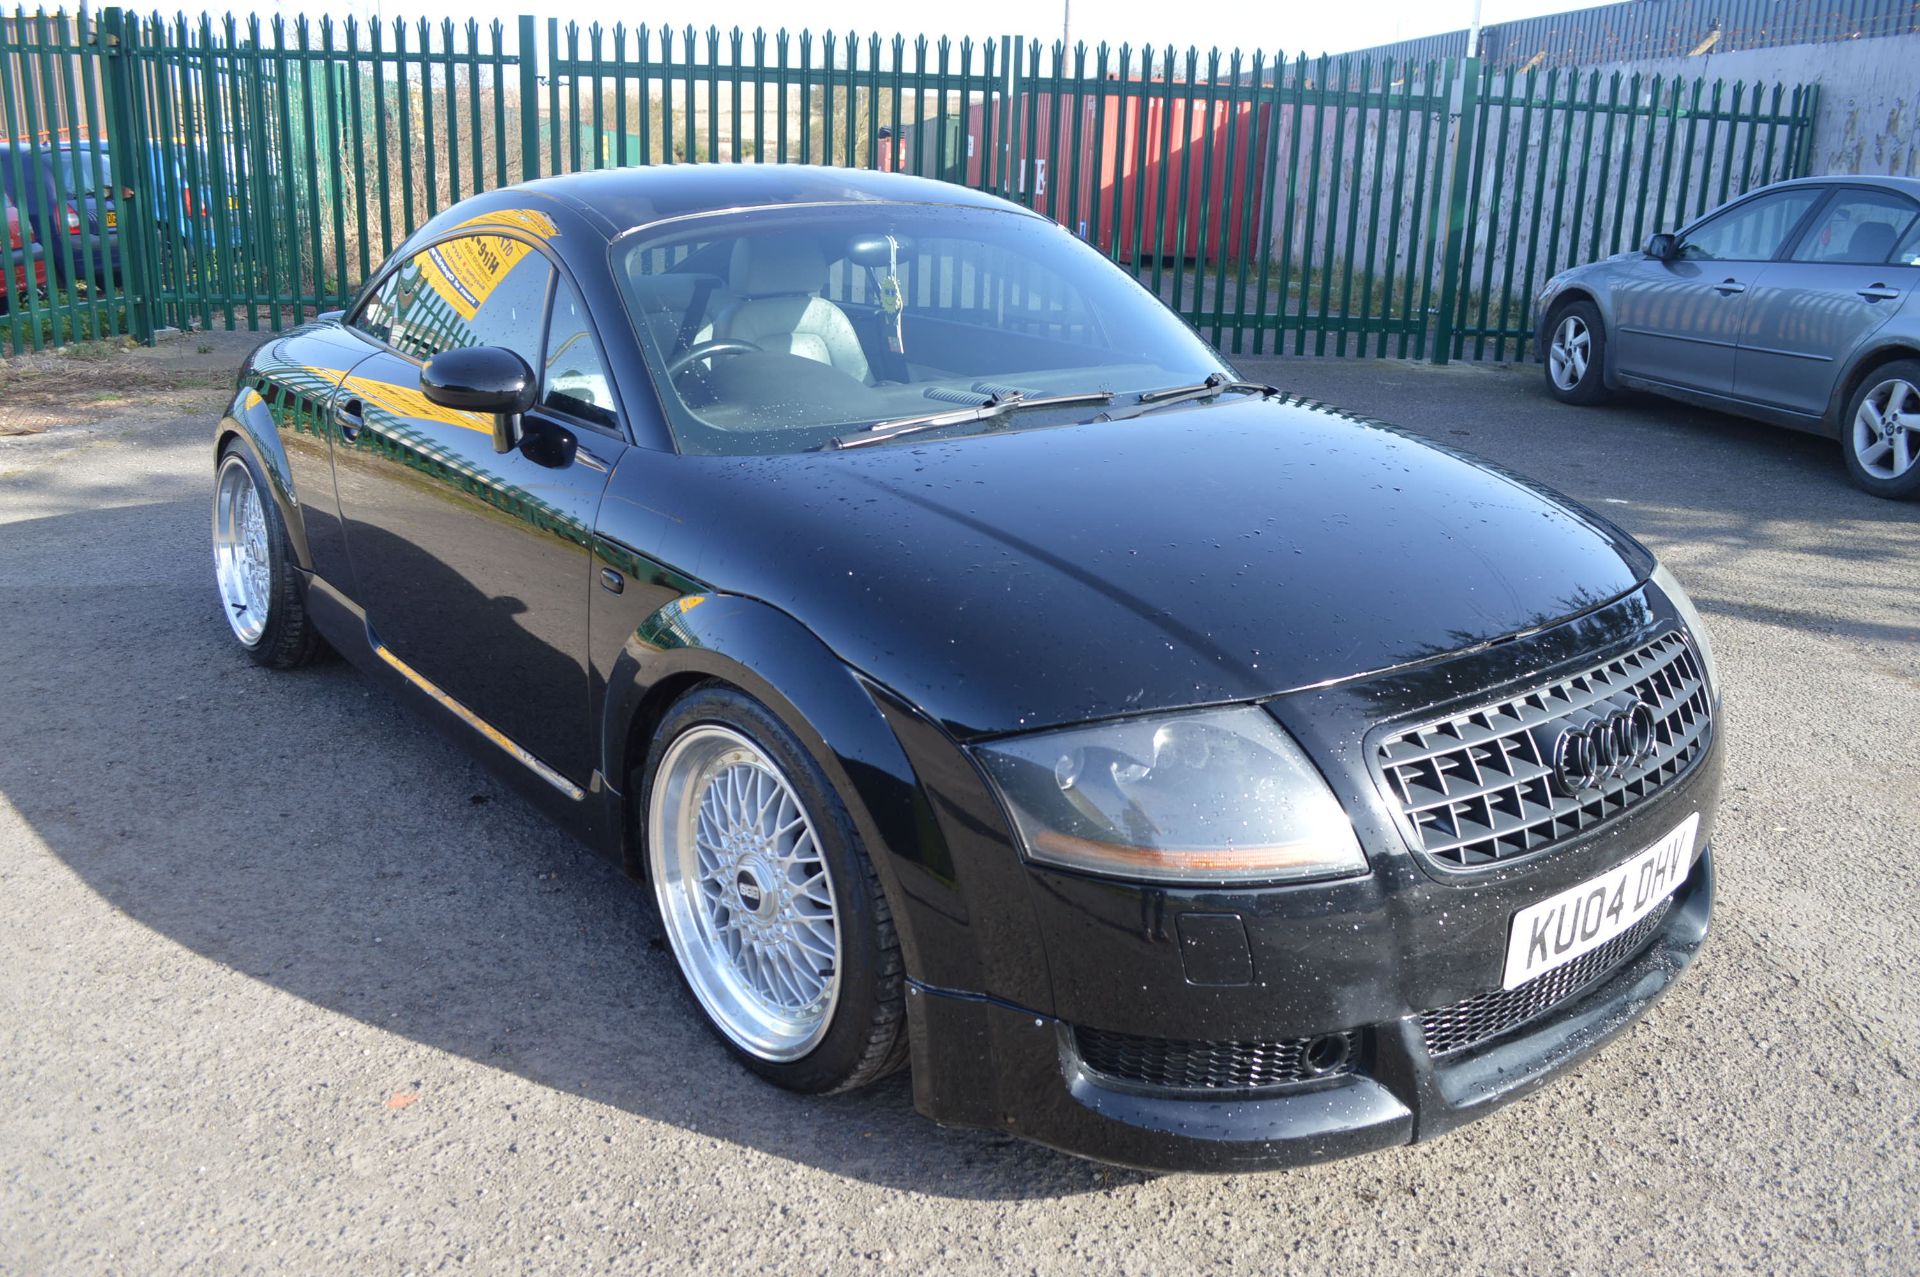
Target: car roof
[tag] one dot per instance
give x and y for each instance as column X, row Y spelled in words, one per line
column 617, row 200
column 1909, row 186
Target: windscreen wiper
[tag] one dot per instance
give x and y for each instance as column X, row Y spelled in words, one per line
column 999, row 406
column 1216, row 384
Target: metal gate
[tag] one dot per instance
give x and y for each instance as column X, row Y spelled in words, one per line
column 254, row 173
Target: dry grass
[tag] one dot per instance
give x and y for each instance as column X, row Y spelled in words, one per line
column 89, row 382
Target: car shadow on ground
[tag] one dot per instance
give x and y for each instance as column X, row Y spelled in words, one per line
column 304, row 831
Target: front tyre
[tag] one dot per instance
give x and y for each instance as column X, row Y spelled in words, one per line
column 254, row 569
column 773, row 911
column 1881, row 434
column 1576, row 354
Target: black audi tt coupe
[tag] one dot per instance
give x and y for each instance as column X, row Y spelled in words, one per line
column 983, row 677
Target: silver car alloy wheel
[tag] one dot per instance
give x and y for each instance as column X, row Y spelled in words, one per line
column 1567, row 356
column 744, row 893
column 242, row 558
column 1886, row 430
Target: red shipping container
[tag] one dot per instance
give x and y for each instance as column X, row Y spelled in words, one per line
column 1139, row 142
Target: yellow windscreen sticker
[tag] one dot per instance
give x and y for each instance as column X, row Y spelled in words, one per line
column 465, row 271
column 526, row 219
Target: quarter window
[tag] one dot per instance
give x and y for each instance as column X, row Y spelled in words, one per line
column 1860, row 228
column 1908, row 252
column 1753, row 232
column 575, row 379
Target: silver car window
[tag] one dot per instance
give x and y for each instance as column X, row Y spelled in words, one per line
column 1907, row 253
column 1860, row 227
column 1753, row 231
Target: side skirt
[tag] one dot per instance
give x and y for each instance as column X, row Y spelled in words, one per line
column 595, row 814
column 1728, row 404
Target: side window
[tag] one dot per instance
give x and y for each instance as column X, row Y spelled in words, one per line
column 574, row 380
column 1860, row 228
column 1754, row 231
column 478, row 290
column 1907, row 253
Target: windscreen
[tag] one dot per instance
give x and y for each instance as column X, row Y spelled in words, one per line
column 777, row 330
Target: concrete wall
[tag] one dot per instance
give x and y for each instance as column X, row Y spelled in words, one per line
column 1869, row 117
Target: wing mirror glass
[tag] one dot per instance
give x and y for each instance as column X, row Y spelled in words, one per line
column 1664, row 246
column 483, row 379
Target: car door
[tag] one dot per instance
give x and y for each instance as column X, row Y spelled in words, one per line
column 473, row 566
column 1678, row 322
column 1841, row 281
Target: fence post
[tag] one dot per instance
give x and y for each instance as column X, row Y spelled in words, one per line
column 139, row 223
column 1017, row 114
column 1462, row 161
column 1809, row 123
column 529, row 99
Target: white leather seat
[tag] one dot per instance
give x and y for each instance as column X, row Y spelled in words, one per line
column 776, row 285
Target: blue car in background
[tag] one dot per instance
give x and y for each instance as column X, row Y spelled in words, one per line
column 73, row 223
column 183, row 180
column 74, row 195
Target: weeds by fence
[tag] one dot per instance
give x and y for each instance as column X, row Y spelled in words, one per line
column 261, row 170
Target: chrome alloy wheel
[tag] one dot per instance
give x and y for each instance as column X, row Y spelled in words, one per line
column 242, row 557
column 1886, row 430
column 1567, row 355
column 744, row 893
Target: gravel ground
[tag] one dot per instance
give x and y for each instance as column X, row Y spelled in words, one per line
column 287, row 984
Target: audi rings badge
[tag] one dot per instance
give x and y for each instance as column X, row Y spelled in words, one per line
column 1602, row 749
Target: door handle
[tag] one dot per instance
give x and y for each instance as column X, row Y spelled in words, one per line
column 348, row 417
column 1879, row 293
column 1728, row 287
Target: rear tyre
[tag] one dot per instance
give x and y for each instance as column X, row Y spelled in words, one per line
column 771, row 907
column 253, row 567
column 1880, row 433
column 1576, row 354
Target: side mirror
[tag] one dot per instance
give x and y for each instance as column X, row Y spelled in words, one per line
column 1663, row 247
column 483, row 379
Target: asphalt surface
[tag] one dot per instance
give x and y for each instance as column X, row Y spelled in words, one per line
column 287, row 984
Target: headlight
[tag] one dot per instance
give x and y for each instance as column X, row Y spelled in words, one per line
column 1690, row 616
column 1211, row 796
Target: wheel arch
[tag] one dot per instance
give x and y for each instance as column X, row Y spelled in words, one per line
column 830, row 708
column 248, row 422
column 1865, row 365
column 1579, row 292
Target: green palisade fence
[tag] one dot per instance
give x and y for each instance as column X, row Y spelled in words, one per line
column 261, row 170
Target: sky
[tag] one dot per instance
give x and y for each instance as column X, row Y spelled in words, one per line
column 1289, row 27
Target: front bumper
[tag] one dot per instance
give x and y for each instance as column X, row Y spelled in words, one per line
column 1223, row 982
column 1036, row 1085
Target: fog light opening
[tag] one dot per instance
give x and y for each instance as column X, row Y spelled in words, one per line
column 1327, row 1054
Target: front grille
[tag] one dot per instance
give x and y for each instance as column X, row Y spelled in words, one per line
column 1476, row 788
column 1214, row 1066
column 1484, row 1016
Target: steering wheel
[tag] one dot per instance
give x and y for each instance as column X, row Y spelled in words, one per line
column 705, row 349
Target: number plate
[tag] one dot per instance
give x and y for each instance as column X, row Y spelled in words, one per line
column 1581, row 919
column 113, row 220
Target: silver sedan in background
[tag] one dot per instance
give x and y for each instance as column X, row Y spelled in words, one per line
column 1797, row 304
